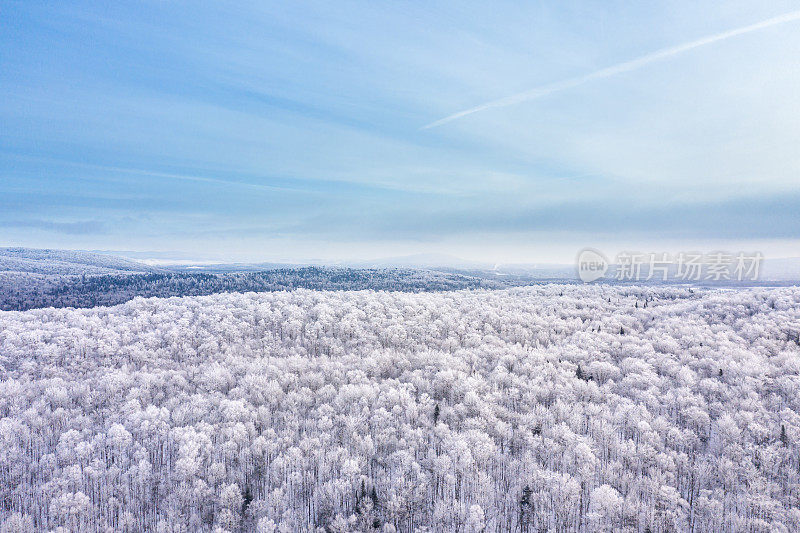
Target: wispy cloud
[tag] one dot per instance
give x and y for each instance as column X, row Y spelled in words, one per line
column 292, row 132
column 201, row 179
column 619, row 68
column 757, row 217
column 81, row 227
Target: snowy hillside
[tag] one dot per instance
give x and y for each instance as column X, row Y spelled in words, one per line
column 22, row 291
column 65, row 262
column 556, row 408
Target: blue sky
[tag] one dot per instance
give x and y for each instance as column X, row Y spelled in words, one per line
column 292, row 131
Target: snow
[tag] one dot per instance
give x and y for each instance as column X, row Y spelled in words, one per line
column 442, row 411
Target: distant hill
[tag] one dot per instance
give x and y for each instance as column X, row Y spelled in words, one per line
column 28, row 291
column 67, row 262
column 32, row 278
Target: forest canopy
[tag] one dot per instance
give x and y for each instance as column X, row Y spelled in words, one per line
column 550, row 408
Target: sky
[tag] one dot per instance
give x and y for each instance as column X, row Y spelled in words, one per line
column 501, row 132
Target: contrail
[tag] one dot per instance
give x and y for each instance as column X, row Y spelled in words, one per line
column 627, row 66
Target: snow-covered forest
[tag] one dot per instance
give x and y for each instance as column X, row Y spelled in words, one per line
column 32, row 278
column 22, row 290
column 552, row 408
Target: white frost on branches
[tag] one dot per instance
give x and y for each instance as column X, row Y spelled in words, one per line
column 551, row 408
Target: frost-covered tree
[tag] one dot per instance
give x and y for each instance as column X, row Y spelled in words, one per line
column 512, row 410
